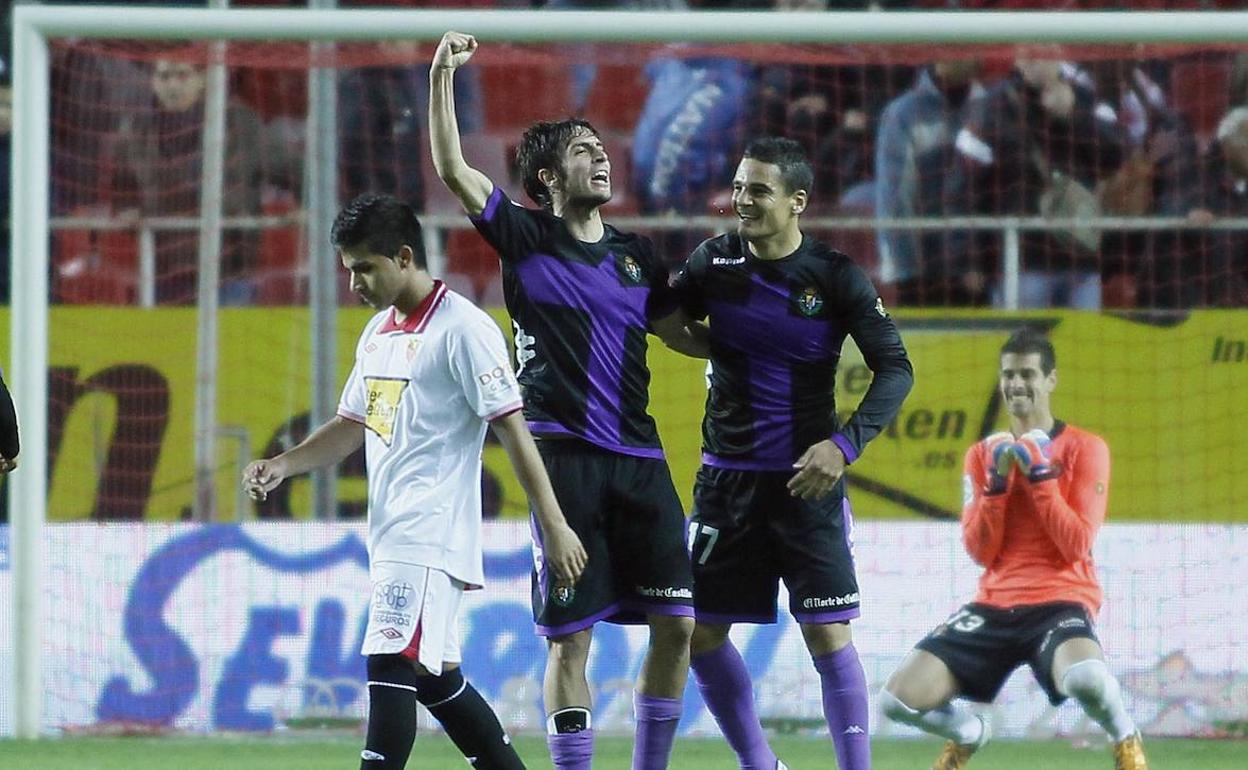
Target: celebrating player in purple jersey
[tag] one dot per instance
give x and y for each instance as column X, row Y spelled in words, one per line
column 582, row 297
column 780, row 305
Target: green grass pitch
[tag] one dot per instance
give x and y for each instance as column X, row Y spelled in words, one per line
column 435, row 752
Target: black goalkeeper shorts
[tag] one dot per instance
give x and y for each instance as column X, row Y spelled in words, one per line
column 983, row 645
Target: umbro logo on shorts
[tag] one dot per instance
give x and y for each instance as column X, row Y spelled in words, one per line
column 391, row 633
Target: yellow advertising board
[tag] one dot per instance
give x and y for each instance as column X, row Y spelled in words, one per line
column 1170, row 399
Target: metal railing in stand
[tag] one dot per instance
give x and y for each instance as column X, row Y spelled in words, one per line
column 1011, row 229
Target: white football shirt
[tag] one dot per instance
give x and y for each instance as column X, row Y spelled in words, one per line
column 424, row 388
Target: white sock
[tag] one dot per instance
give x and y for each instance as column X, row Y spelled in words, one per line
column 1090, row 683
column 957, row 723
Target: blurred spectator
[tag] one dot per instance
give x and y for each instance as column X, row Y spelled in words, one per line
column 1160, row 177
column 380, row 113
column 1215, row 268
column 1039, row 144
column 687, row 137
column 914, row 152
column 156, row 159
column 585, row 70
column 831, row 109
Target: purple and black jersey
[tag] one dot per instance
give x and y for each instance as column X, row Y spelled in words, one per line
column 777, row 327
column 581, row 314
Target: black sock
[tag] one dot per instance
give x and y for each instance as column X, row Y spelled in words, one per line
column 469, row 721
column 391, row 713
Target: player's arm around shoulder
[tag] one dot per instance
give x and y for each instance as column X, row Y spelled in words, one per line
column 472, row 187
column 683, row 334
column 681, row 312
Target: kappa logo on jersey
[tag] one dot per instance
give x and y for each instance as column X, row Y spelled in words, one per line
column 382, row 412
column 524, row 348
column 809, row 301
column 727, row 260
column 630, row 268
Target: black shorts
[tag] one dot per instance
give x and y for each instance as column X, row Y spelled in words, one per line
column 748, row 533
column 983, row 645
column 630, row 520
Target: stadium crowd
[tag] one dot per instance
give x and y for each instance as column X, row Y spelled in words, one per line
column 1062, row 133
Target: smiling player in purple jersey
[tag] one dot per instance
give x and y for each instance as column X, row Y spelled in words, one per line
column 582, row 297
column 780, row 304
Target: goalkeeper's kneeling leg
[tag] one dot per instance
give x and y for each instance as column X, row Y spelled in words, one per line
column 951, row 721
column 1090, row 683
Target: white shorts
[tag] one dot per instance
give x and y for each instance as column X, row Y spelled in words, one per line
column 414, row 612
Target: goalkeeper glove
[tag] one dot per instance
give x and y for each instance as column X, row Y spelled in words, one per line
column 1000, row 457
column 1034, row 452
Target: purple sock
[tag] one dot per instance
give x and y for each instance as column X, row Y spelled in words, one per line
column 571, row 751
column 726, row 688
column 845, row 707
column 656, row 719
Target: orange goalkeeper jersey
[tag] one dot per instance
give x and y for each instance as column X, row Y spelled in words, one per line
column 1035, row 541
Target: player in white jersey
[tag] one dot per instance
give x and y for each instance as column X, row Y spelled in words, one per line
column 431, row 370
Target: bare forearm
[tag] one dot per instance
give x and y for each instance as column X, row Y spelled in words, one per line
column 328, row 445
column 470, row 186
column 521, row 450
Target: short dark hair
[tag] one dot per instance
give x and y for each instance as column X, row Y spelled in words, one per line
column 542, row 146
column 788, row 156
column 383, row 223
column 1028, row 340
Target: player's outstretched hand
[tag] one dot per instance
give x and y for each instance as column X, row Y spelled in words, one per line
column 565, row 554
column 999, row 457
column 7, row 465
column 262, row 477
column 818, row 470
column 454, row 50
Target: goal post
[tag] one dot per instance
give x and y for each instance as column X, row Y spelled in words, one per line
column 33, row 26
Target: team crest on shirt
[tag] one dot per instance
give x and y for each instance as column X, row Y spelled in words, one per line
column 809, row 301
column 629, row 267
column 382, row 411
column 879, row 307
column 413, row 345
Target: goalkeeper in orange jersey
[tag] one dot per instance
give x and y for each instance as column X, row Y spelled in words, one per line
column 1033, row 500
